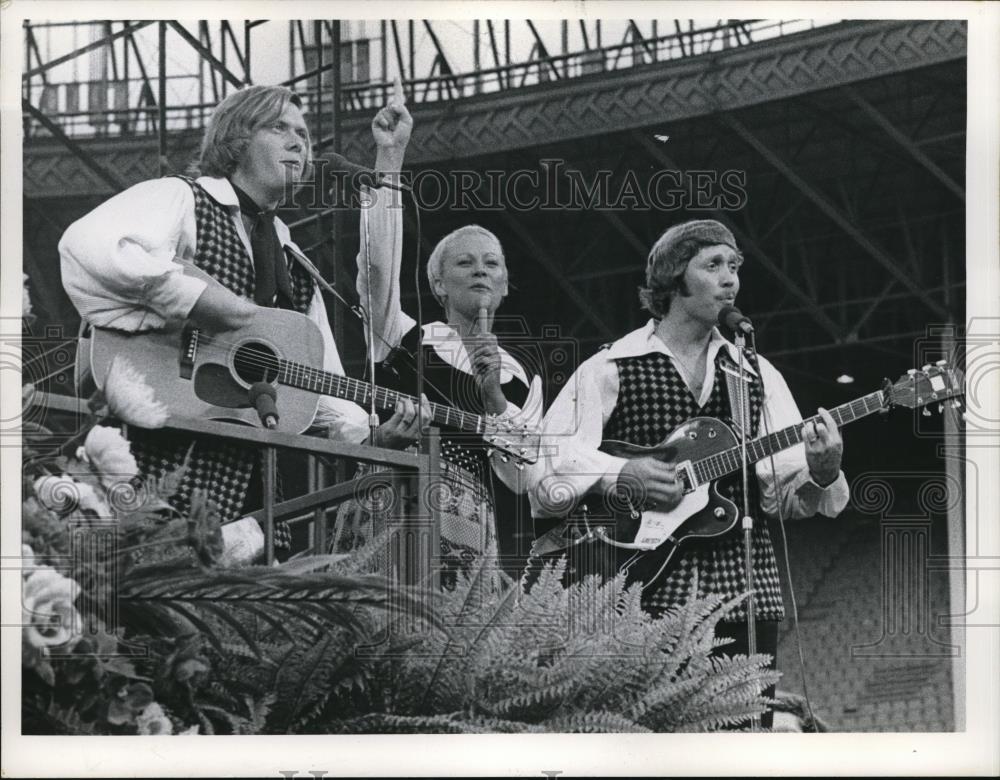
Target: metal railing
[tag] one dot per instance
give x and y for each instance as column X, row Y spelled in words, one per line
column 127, row 107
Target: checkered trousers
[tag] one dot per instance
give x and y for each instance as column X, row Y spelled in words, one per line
column 223, row 469
column 652, row 401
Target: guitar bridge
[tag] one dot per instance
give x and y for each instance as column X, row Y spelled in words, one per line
column 188, row 351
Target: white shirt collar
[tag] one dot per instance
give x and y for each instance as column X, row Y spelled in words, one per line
column 222, row 192
column 450, row 348
column 644, row 340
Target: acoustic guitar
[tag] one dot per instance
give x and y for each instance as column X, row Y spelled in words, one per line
column 209, row 376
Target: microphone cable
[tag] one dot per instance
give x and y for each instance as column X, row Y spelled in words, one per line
column 784, row 538
column 420, row 323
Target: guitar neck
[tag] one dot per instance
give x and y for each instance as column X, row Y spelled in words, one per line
column 728, row 461
column 325, row 383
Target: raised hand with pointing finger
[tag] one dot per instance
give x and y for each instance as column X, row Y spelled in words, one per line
column 391, row 129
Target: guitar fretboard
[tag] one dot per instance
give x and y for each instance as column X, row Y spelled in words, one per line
column 728, row 461
column 325, row 383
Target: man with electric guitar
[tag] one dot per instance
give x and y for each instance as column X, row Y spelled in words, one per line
column 639, row 389
column 211, row 252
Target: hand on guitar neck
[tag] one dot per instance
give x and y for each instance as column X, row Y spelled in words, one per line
column 403, row 428
column 824, row 448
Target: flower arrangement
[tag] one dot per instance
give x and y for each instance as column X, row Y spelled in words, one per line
column 126, row 610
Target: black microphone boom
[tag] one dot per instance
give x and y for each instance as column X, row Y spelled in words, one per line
column 263, row 397
column 735, row 320
column 360, row 175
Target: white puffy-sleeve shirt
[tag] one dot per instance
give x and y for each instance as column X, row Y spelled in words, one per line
column 573, row 430
column 384, row 217
column 121, row 267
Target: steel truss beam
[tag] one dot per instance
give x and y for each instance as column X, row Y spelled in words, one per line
column 78, row 151
column 907, row 143
column 831, row 211
column 89, row 47
column 614, row 220
column 556, row 271
column 210, row 58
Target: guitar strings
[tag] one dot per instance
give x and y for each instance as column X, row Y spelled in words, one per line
column 715, row 466
column 257, row 359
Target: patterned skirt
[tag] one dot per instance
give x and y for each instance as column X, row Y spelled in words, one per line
column 467, row 530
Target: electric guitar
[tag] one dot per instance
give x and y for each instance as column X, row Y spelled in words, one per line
column 705, row 450
column 199, row 374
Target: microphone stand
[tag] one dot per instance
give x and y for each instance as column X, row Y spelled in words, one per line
column 369, row 323
column 744, row 431
column 269, row 476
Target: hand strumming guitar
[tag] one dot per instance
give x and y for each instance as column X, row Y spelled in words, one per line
column 218, row 309
column 654, row 482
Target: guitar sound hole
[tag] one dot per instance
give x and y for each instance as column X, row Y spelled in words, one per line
column 255, row 362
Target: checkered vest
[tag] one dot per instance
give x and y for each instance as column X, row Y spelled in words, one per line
column 652, row 401
column 222, row 469
column 222, row 255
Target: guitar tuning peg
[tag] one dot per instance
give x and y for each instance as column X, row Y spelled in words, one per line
column 490, row 452
column 505, row 459
column 941, row 363
column 911, row 371
column 926, row 412
column 940, row 408
column 925, row 367
column 519, row 466
column 956, row 404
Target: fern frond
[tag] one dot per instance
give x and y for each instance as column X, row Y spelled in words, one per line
column 501, row 608
column 54, row 719
column 533, row 704
column 306, row 677
column 386, row 723
column 593, row 723
column 317, row 599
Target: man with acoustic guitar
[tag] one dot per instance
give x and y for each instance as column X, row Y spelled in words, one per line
column 637, row 390
column 127, row 266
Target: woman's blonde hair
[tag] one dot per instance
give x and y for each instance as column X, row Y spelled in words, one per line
column 436, row 260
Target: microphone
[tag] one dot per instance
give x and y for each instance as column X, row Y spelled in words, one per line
column 263, row 397
column 362, row 175
column 735, row 320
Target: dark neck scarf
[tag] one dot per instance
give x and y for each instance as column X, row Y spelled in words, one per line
column 272, row 285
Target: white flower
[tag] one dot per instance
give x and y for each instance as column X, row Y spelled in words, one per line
column 49, row 618
column 57, row 494
column 63, row 495
column 130, row 398
column 108, row 452
column 153, row 720
column 27, row 560
column 90, row 500
column 25, row 299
